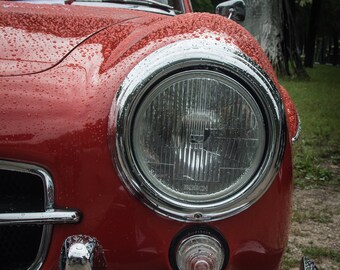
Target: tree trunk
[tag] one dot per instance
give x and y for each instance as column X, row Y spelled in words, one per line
column 290, row 40
column 335, row 57
column 271, row 22
column 312, row 31
column 264, row 22
column 323, row 51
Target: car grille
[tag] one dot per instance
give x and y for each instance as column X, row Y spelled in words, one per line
column 19, row 246
column 22, row 191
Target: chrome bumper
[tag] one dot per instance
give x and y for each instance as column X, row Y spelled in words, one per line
column 82, row 252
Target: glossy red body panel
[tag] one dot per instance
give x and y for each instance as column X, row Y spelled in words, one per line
column 58, row 119
column 36, row 37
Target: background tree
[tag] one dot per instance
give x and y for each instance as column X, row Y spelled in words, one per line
column 312, row 30
column 318, row 28
column 302, row 12
column 272, row 23
column 289, row 30
column 327, row 34
column 203, row 6
column 264, row 21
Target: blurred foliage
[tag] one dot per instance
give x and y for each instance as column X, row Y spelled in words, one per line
column 303, row 3
column 320, row 20
column 330, row 16
column 203, row 6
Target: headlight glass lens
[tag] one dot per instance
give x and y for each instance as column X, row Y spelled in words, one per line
column 198, row 136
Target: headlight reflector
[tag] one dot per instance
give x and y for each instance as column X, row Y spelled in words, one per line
column 198, row 136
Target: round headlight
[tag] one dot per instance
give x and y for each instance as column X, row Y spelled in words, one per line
column 197, row 139
column 197, row 136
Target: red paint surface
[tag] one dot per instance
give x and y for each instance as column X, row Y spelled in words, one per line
column 34, row 38
column 58, row 119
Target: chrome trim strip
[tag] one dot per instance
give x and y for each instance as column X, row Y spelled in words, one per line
column 298, row 131
column 32, row 169
column 185, row 54
column 43, row 248
column 170, row 12
column 47, row 219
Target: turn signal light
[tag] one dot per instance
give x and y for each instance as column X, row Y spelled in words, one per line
column 200, row 250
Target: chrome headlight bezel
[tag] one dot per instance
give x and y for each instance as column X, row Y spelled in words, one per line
column 163, row 63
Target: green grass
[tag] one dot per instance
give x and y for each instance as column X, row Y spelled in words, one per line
column 321, row 252
column 317, row 153
column 324, row 216
column 316, row 253
column 289, row 263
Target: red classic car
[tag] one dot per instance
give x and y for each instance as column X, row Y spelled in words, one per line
column 137, row 134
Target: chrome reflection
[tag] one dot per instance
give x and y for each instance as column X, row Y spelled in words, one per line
column 192, row 55
column 47, row 217
column 298, row 131
column 200, row 251
column 232, row 9
column 82, row 252
column 152, row 6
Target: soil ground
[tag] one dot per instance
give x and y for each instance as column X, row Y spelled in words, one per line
column 315, row 228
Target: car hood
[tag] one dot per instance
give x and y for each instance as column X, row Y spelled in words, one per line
column 34, row 38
